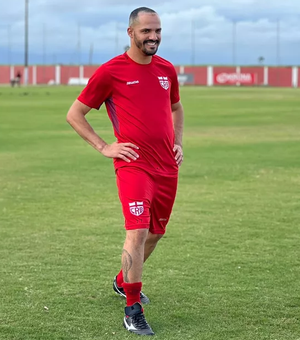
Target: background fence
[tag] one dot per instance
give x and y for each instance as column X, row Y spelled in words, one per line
column 187, row 75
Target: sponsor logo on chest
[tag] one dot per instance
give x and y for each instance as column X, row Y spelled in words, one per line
column 164, row 82
column 132, row 82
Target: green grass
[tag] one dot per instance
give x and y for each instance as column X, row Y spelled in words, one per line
column 228, row 267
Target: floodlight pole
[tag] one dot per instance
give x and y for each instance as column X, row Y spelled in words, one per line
column 117, row 39
column 193, row 47
column 278, row 42
column 9, row 44
column 91, row 54
column 26, row 45
column 278, row 51
column 234, row 43
column 79, row 44
column 44, row 44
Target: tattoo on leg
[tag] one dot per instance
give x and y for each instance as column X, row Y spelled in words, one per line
column 126, row 264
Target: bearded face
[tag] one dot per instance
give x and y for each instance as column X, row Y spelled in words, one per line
column 148, row 46
column 146, row 33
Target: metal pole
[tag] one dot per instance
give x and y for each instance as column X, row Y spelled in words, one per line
column 278, row 52
column 26, row 45
column 234, row 43
column 9, row 45
column 44, row 53
column 278, row 43
column 79, row 46
column 91, row 54
column 193, row 41
column 117, row 40
column 44, row 44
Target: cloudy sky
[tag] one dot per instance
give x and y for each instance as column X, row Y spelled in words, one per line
column 194, row 31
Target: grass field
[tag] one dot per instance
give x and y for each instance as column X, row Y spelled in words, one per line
column 229, row 265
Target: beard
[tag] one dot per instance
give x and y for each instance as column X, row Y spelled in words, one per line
column 148, row 51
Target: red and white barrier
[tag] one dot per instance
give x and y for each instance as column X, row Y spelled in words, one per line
column 187, row 75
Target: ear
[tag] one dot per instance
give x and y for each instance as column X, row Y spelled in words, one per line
column 130, row 32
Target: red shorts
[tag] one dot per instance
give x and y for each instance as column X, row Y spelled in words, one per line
column 147, row 199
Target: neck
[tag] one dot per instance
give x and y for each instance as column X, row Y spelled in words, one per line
column 138, row 56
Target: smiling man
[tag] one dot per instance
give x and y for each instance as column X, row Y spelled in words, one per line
column 141, row 94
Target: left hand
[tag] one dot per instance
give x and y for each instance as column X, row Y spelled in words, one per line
column 178, row 154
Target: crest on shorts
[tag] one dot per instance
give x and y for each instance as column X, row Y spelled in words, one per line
column 136, row 208
column 164, row 82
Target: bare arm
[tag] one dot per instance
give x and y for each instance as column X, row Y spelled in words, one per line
column 177, row 112
column 76, row 118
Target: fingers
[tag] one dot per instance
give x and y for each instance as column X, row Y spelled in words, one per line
column 130, row 145
column 129, row 154
column 124, row 158
column 179, row 158
column 121, row 150
column 126, row 152
column 178, row 154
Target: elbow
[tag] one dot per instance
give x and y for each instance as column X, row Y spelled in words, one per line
column 69, row 118
column 76, row 112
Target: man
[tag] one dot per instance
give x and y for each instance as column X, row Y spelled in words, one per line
column 141, row 94
column 16, row 80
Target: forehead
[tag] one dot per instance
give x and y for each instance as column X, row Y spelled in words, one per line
column 149, row 20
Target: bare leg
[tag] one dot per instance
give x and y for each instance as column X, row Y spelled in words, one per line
column 137, row 242
column 133, row 255
column 151, row 242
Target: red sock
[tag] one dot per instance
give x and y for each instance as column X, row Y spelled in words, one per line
column 132, row 291
column 120, row 279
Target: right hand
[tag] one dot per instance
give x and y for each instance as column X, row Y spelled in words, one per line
column 124, row 151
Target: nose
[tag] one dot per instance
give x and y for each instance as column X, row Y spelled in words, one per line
column 153, row 36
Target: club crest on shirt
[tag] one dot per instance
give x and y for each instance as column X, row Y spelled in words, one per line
column 136, row 208
column 164, row 82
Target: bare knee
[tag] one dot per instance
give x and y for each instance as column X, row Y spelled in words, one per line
column 154, row 238
column 137, row 236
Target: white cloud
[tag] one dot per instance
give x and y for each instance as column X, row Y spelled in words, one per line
column 54, row 29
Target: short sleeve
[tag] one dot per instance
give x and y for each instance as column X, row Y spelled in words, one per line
column 98, row 89
column 175, row 97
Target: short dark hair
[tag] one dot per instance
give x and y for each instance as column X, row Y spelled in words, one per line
column 134, row 14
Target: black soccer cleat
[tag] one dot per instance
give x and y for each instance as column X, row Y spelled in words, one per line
column 135, row 322
column 120, row 291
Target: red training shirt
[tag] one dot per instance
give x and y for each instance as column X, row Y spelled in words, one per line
column 138, row 100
